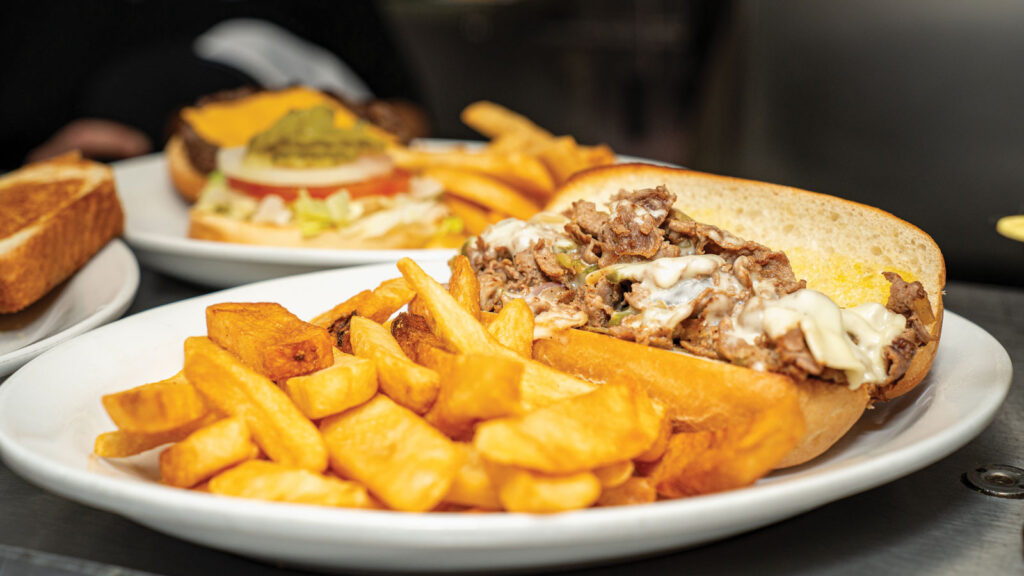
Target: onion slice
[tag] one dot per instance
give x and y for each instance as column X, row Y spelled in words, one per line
column 231, row 161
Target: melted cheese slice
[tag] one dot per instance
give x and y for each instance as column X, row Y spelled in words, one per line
column 233, row 123
column 849, row 339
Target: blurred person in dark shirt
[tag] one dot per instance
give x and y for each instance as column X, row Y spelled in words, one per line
column 107, row 77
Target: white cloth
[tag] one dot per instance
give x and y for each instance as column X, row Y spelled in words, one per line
column 276, row 58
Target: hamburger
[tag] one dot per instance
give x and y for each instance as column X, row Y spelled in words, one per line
column 297, row 167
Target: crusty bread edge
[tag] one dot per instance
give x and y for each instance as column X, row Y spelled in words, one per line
column 59, row 245
column 188, row 181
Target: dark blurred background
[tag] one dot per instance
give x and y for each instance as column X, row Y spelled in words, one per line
column 914, row 107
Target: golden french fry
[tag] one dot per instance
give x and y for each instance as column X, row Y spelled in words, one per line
column 528, row 174
column 540, row 385
column 417, row 308
column 493, row 120
column 523, row 172
column 472, row 485
column 391, row 295
column 706, row 394
column 377, row 305
column 403, row 460
column 406, row 382
column 420, row 344
column 749, row 420
column 660, row 444
column 483, row 190
column 475, row 219
column 563, row 158
column 156, row 407
column 476, row 387
column 206, row 452
column 635, row 490
column 453, row 324
column 276, row 424
column 413, row 334
column 349, row 382
column 600, row 155
column 615, row 474
column 336, row 320
column 464, row 286
column 121, row 444
column 526, row 491
column 263, row 480
column 516, row 142
column 269, row 339
column 513, row 327
column 615, row 422
column 722, row 459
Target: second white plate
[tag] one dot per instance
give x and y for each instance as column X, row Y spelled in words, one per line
column 50, row 413
column 98, row 293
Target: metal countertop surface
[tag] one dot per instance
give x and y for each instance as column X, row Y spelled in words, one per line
column 925, row 523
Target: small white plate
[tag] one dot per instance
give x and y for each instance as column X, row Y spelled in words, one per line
column 98, row 293
column 50, row 413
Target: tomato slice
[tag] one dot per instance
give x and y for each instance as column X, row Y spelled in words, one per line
column 395, row 183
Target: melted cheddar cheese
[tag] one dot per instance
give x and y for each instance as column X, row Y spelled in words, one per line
column 233, row 123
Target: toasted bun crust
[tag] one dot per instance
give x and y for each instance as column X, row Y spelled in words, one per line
column 840, row 248
column 206, row 226
column 706, row 395
column 187, row 180
column 64, row 210
column 829, row 412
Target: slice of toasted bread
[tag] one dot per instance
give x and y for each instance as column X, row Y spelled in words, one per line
column 54, row 216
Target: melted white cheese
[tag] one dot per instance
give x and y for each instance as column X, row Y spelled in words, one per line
column 671, row 285
column 664, row 273
column 518, row 235
column 554, row 320
column 638, row 211
column 851, row 340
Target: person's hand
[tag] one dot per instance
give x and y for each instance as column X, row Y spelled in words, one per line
column 95, row 138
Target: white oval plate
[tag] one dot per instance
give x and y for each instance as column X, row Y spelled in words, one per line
column 50, row 413
column 98, row 293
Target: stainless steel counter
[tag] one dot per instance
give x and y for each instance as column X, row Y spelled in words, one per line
column 926, row 523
